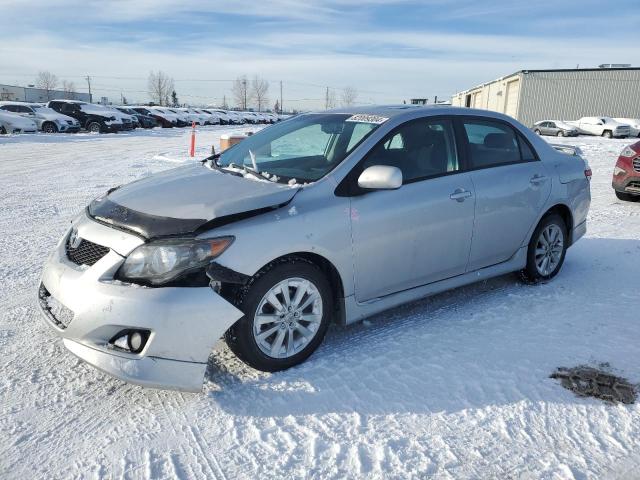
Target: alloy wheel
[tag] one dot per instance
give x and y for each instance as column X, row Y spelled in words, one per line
column 549, row 250
column 287, row 318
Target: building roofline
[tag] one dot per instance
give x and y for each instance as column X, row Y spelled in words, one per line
column 549, row 70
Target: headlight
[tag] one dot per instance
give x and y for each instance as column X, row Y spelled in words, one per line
column 628, row 152
column 618, row 171
column 165, row 260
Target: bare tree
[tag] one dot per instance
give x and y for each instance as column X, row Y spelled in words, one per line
column 349, row 96
column 240, row 91
column 259, row 92
column 69, row 89
column 46, row 81
column 160, row 86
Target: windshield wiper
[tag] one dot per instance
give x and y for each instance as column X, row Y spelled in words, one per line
column 213, row 159
column 253, row 172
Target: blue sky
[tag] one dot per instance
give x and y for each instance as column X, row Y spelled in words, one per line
column 388, row 50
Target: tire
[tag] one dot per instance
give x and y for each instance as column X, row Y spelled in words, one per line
column 607, row 134
column 560, row 133
column 3, row 131
column 538, row 132
column 625, row 196
column 49, row 127
column 536, row 271
column 94, row 127
column 278, row 350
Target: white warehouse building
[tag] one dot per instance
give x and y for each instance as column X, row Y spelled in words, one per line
column 533, row 95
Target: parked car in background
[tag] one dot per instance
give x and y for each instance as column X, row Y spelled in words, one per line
column 129, row 122
column 222, row 116
column 602, row 126
column 435, row 198
column 164, row 120
column 47, row 120
column 144, row 120
column 92, row 117
column 13, row 123
column 184, row 119
column 191, row 115
column 634, row 125
column 175, row 119
column 556, row 128
column 235, row 118
column 626, row 173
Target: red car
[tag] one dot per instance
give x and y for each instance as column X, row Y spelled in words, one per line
column 626, row 174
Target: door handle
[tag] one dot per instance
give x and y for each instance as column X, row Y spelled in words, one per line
column 460, row 194
column 538, row 179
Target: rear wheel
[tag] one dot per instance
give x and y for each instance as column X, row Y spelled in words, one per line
column 607, row 134
column 49, row 127
column 3, row 131
column 547, row 249
column 94, row 127
column 287, row 309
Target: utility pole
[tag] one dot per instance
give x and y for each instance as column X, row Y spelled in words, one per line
column 280, row 97
column 244, row 88
column 89, row 83
column 326, row 99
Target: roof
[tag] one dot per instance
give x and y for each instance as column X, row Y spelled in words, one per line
column 402, row 110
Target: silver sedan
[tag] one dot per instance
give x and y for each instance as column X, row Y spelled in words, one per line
column 325, row 217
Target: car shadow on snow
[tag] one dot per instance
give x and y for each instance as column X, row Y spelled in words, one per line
column 490, row 343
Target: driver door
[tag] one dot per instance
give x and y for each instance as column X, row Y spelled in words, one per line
column 421, row 232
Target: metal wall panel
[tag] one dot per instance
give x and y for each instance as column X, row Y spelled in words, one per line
column 569, row 95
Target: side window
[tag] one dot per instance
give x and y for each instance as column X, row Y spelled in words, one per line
column 9, row 108
column 525, row 150
column 491, row 144
column 420, row 149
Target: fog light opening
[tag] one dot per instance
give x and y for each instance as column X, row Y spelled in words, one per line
column 132, row 341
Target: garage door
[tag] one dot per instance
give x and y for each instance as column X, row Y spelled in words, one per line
column 511, row 102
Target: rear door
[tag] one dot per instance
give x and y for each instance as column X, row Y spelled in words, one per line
column 421, row 232
column 511, row 185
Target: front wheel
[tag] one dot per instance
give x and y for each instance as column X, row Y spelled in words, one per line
column 546, row 251
column 49, row 128
column 625, row 196
column 560, row 133
column 287, row 309
column 537, row 131
column 607, row 134
column 94, row 127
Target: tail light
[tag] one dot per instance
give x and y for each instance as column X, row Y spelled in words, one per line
column 587, row 173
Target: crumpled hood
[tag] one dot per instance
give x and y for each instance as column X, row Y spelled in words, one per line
column 181, row 200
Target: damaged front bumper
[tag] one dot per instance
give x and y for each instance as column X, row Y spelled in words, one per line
column 87, row 308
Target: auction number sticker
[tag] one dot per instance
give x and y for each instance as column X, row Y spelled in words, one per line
column 364, row 118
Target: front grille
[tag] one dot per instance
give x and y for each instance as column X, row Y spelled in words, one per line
column 57, row 313
column 86, row 253
column 633, row 186
column 636, row 164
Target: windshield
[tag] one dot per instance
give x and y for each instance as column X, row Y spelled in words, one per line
column 303, row 149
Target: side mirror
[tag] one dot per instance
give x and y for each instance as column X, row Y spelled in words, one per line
column 380, row 177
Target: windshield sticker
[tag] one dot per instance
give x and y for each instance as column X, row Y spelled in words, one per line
column 364, row 118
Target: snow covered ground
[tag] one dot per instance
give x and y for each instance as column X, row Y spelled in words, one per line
column 454, row 386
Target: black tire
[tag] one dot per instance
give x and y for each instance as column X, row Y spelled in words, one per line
column 240, row 337
column 625, row 196
column 560, row 133
column 530, row 274
column 607, row 134
column 3, row 130
column 537, row 131
column 49, row 127
column 94, row 127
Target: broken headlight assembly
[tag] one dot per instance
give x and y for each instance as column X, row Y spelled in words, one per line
column 166, row 261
